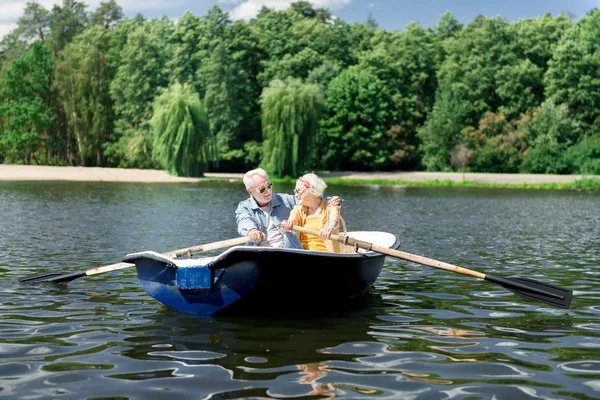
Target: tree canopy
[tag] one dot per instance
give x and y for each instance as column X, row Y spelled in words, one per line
column 299, row 89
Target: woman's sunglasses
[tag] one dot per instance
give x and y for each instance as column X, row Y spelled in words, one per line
column 298, row 191
column 263, row 189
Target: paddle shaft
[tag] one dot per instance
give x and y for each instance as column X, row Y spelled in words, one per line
column 529, row 288
column 63, row 278
column 396, row 253
column 175, row 253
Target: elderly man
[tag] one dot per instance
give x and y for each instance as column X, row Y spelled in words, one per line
column 260, row 215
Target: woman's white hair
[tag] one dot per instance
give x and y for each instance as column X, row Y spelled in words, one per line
column 317, row 186
column 249, row 176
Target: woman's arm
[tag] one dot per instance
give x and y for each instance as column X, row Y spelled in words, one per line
column 332, row 222
column 294, row 219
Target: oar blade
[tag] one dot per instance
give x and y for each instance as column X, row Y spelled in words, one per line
column 535, row 290
column 55, row 277
column 40, row 278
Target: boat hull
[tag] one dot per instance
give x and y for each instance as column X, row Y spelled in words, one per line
column 258, row 280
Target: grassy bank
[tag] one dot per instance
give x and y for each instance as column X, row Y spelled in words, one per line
column 587, row 184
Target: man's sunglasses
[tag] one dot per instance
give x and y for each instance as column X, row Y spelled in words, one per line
column 263, row 189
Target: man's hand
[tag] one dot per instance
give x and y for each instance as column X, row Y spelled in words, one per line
column 256, row 235
column 335, row 201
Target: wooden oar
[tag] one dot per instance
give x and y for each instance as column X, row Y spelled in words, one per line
column 58, row 277
column 529, row 288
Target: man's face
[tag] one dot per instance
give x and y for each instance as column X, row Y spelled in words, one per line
column 261, row 190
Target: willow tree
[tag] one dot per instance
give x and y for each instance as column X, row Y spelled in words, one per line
column 183, row 143
column 290, row 120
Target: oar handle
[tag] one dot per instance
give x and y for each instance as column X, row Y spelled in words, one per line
column 188, row 251
column 207, row 247
column 395, row 253
column 108, row 268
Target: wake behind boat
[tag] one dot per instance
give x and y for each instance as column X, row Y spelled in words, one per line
column 257, row 279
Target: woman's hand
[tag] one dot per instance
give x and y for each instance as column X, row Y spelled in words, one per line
column 326, row 232
column 286, row 225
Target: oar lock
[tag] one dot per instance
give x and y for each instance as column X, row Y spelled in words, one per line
column 348, row 241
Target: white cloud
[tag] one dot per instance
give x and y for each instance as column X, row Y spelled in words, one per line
column 130, row 6
column 250, row 8
column 5, row 28
column 12, row 10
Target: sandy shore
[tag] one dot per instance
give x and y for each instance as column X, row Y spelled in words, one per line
column 96, row 174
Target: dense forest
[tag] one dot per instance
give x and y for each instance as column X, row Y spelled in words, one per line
column 297, row 90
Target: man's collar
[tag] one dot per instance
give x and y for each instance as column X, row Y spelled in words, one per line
column 274, row 201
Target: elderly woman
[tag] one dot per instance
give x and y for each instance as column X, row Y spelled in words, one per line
column 314, row 213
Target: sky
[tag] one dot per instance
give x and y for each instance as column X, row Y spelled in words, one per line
column 389, row 14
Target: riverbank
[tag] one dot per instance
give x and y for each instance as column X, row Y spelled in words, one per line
column 96, row 174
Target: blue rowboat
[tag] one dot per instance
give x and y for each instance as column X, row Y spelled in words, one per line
column 249, row 279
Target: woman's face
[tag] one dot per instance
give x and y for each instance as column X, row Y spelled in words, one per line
column 300, row 191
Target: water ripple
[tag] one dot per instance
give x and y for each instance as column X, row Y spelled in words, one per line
column 422, row 334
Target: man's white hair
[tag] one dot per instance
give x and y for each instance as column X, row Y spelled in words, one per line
column 249, row 176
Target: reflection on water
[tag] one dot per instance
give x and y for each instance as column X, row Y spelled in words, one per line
column 422, row 333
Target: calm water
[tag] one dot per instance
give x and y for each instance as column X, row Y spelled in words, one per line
column 422, row 334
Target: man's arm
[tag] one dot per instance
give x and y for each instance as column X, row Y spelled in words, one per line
column 246, row 224
column 335, row 201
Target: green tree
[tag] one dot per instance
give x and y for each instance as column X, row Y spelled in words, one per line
column 138, row 79
column 305, row 9
column 520, row 84
column 498, row 144
column 34, row 25
column 519, row 88
column 447, row 26
column 573, row 76
column 330, row 38
column 66, row 22
column 222, row 60
column 12, row 47
column 537, row 37
column 299, row 39
column 276, row 39
column 324, row 74
column 223, row 108
column 406, row 63
column 290, row 115
column 354, row 130
column 214, row 30
column 186, row 61
column 584, row 157
column 441, row 132
column 244, row 52
column 549, row 132
column 25, row 115
column 183, row 143
column 361, row 35
column 81, row 81
column 107, row 14
column 474, row 57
